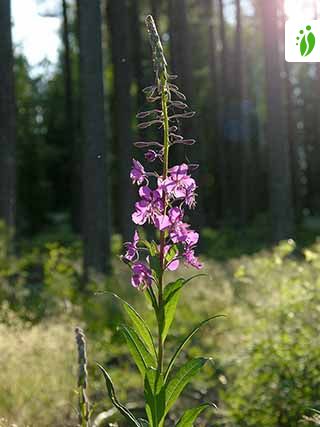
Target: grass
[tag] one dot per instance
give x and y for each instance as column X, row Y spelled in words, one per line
column 270, row 298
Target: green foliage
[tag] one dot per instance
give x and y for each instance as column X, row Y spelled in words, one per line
column 171, row 297
column 190, row 416
column 155, row 395
column 161, row 392
column 181, row 379
column 141, row 328
column 276, row 372
column 266, row 350
column 121, row 408
column 138, row 350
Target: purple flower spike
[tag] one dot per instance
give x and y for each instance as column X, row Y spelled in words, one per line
column 141, row 276
column 132, row 253
column 166, row 192
column 138, row 174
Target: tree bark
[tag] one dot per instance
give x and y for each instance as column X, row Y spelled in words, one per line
column 241, row 151
column 213, row 152
column 136, row 51
column 70, row 125
column 7, row 121
column 224, row 102
column 118, row 13
column 181, row 64
column 96, row 211
column 280, row 191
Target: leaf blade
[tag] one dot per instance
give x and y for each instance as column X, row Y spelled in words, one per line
column 112, row 395
column 185, row 342
column 190, row 416
column 181, row 379
column 138, row 350
column 171, row 298
column 155, row 397
column 139, row 324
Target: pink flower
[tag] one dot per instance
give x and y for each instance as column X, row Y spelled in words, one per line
column 182, row 234
column 138, row 174
column 141, row 276
column 161, row 222
column 132, row 249
column 175, row 215
column 179, row 185
column 166, row 221
column 191, row 259
column 149, row 208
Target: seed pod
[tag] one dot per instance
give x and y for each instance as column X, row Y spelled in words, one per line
column 145, row 125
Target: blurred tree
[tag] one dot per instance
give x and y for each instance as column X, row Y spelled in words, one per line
column 224, row 102
column 242, row 148
column 181, row 64
column 96, row 212
column 214, row 150
column 279, row 168
column 180, row 52
column 7, row 121
column 33, row 188
column 136, row 51
column 70, row 123
column 119, row 24
column 289, row 109
column 314, row 157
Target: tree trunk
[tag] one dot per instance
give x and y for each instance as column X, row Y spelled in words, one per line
column 136, row 51
column 292, row 139
column 7, row 122
column 96, row 212
column 279, row 169
column 314, row 175
column 181, row 64
column 70, row 128
column 214, row 159
column 118, row 12
column 241, row 151
column 224, row 102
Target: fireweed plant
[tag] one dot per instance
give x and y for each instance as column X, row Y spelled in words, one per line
column 164, row 198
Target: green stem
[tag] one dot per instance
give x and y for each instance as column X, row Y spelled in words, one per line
column 164, row 101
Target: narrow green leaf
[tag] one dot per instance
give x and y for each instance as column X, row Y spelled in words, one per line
column 138, row 350
column 121, row 408
column 155, row 397
column 139, row 325
column 190, row 416
column 151, row 298
column 181, row 379
column 155, row 265
column 195, row 276
column 185, row 342
column 171, row 298
column 143, row 423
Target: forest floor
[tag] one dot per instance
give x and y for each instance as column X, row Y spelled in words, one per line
column 265, row 369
